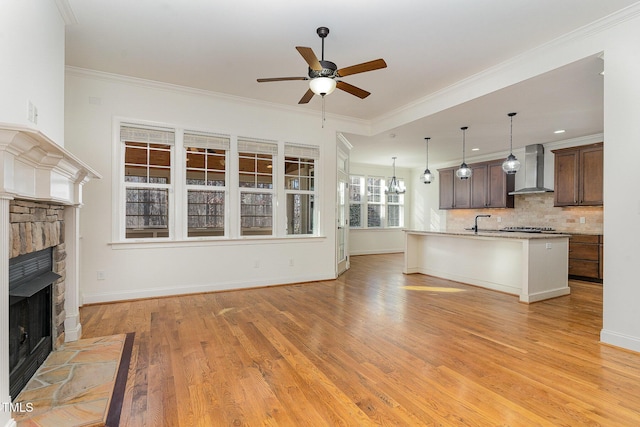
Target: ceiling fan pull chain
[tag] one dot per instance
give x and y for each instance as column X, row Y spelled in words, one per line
column 323, row 119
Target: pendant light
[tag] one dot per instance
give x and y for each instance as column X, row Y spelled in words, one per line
column 427, row 176
column 394, row 186
column 464, row 172
column 511, row 165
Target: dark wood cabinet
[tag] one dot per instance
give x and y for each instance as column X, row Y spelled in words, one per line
column 461, row 192
column 499, row 185
column 488, row 187
column 479, row 185
column 454, row 192
column 445, row 180
column 578, row 175
column 585, row 257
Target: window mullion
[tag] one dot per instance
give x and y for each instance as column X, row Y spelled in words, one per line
column 179, row 226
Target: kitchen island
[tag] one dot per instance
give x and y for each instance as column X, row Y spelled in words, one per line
column 533, row 266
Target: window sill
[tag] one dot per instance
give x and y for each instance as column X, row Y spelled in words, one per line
column 198, row 242
column 379, row 229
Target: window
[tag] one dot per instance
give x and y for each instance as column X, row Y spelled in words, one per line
column 174, row 184
column 147, row 180
column 356, row 189
column 370, row 207
column 299, row 175
column 255, row 172
column 375, row 202
column 395, row 208
column 206, row 162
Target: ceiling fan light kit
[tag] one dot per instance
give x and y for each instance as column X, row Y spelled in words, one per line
column 324, row 75
column 322, row 85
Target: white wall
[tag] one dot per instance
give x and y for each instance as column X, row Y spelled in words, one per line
column 149, row 269
column 621, row 323
column 378, row 241
column 32, row 46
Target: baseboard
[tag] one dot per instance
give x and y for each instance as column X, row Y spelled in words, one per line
column 98, row 298
column 376, row 252
column 620, row 340
column 541, row 296
column 72, row 328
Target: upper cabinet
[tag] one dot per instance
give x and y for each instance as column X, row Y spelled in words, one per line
column 578, row 175
column 488, row 187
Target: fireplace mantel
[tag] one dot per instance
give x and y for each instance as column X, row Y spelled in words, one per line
column 36, row 169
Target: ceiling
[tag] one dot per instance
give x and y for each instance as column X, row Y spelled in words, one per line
column 224, row 46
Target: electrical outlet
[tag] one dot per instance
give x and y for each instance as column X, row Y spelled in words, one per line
column 499, row 219
column 101, row 275
column 290, row 262
column 256, row 264
column 547, row 246
column 583, row 220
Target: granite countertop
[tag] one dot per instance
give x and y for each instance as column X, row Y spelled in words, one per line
column 493, row 234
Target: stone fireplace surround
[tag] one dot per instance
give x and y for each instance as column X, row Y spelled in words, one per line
column 36, row 226
column 40, row 201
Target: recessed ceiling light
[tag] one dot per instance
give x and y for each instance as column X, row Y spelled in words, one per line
column 475, row 149
column 559, row 131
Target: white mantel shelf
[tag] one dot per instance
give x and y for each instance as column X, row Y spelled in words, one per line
column 36, row 168
column 533, row 266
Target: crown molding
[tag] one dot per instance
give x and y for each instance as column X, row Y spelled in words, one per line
column 162, row 86
column 66, row 12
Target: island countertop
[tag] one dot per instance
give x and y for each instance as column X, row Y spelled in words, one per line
column 533, row 266
column 491, row 234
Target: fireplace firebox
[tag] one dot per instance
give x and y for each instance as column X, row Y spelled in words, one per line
column 30, row 315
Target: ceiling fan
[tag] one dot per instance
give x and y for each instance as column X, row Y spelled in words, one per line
column 324, row 75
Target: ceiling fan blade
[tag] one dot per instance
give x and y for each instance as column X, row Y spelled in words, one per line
column 353, row 90
column 281, row 79
column 306, row 97
column 361, row 68
column 310, row 57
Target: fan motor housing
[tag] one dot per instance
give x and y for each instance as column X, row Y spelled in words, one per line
column 329, row 69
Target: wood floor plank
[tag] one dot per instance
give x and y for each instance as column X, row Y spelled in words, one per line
column 373, row 347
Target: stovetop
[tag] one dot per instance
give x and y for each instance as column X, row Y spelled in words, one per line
column 527, row 229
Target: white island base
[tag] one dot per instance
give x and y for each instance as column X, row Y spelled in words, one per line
column 533, row 266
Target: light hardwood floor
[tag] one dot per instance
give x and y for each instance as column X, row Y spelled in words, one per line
column 374, row 347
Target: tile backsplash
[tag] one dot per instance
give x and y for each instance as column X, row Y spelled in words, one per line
column 535, row 210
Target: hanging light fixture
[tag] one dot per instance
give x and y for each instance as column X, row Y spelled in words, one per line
column 464, row 172
column 394, row 186
column 511, row 165
column 427, row 177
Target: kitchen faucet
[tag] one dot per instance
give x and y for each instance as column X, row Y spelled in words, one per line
column 475, row 226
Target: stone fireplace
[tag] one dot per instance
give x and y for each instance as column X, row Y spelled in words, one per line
column 40, row 201
column 37, row 272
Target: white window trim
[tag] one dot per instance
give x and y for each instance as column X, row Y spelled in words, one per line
column 259, row 146
column 118, row 168
column 300, row 151
column 178, row 215
column 223, row 143
column 364, row 203
column 402, row 205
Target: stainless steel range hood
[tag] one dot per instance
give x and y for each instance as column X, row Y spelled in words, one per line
column 533, row 171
